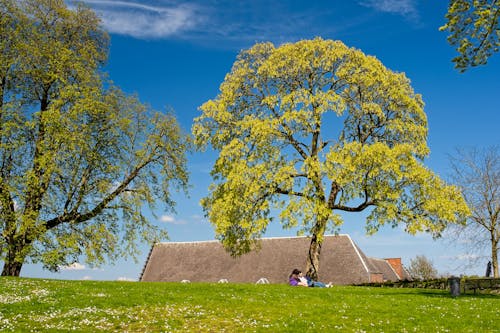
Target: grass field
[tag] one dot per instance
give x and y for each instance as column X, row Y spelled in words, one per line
column 32, row 305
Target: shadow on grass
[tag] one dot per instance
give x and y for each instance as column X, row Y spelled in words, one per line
column 446, row 294
column 433, row 293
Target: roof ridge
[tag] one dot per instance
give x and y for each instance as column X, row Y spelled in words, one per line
column 359, row 255
column 390, row 266
column 373, row 258
column 262, row 239
column 147, row 261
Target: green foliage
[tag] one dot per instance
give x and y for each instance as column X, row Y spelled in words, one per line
column 314, row 128
column 87, row 306
column 78, row 157
column 474, row 31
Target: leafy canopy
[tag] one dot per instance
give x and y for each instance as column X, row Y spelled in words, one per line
column 311, row 129
column 78, row 157
column 474, row 31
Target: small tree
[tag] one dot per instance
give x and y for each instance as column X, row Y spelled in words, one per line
column 477, row 173
column 474, row 30
column 312, row 129
column 422, row 268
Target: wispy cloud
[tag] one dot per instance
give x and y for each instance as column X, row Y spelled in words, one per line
column 73, row 267
column 406, row 8
column 223, row 22
column 464, row 256
column 124, row 278
column 167, row 219
column 197, row 218
column 87, row 277
column 171, row 220
column 240, row 24
column 146, row 21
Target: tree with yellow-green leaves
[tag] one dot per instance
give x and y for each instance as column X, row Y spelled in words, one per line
column 78, row 158
column 474, row 30
column 312, row 129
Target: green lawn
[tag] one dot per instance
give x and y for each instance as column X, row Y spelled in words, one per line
column 91, row 306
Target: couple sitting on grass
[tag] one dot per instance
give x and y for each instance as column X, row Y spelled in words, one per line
column 298, row 279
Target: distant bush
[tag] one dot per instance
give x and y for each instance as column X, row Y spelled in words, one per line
column 422, row 268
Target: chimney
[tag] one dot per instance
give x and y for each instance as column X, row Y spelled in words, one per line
column 396, row 266
column 376, row 278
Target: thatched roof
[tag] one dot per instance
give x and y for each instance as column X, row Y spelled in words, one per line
column 341, row 262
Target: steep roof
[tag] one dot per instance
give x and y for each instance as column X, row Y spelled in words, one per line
column 386, row 270
column 341, row 261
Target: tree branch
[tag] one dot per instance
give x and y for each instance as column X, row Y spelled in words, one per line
column 288, row 192
column 358, row 208
column 490, row 30
column 76, row 217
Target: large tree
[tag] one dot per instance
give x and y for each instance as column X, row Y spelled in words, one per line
column 312, row 129
column 474, row 31
column 477, row 173
column 78, row 158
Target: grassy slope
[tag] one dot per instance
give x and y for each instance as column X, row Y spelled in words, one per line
column 90, row 306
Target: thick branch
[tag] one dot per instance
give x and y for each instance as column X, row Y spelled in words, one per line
column 35, row 192
column 289, row 192
column 296, row 144
column 358, row 208
column 286, row 133
column 76, row 217
column 334, row 190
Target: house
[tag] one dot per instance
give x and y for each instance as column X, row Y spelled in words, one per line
column 341, row 262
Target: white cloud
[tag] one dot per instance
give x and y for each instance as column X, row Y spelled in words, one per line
column 406, row 8
column 145, row 21
column 73, row 267
column 463, row 256
column 87, row 277
column 171, row 220
column 237, row 24
column 167, row 219
column 124, row 278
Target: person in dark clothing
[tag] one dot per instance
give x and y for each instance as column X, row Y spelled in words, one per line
column 488, row 269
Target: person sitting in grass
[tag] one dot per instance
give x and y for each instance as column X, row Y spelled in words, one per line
column 295, row 279
column 298, row 279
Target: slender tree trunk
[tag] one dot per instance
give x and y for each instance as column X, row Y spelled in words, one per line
column 494, row 257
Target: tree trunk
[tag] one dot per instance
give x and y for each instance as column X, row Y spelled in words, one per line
column 13, row 261
column 312, row 267
column 12, row 268
column 494, row 258
column 318, row 232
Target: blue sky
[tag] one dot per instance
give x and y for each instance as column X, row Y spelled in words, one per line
column 174, row 54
